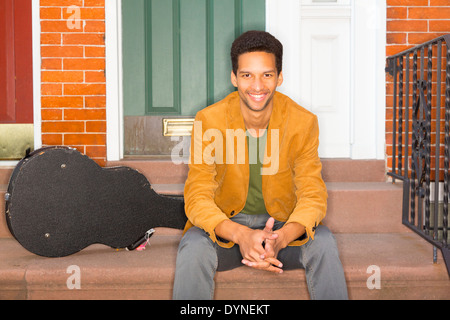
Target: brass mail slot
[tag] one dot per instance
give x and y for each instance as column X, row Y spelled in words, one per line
column 177, row 127
column 15, row 139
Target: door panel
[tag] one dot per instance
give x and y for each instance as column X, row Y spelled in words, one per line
column 326, row 81
column 16, row 79
column 23, row 52
column 162, row 56
column 7, row 82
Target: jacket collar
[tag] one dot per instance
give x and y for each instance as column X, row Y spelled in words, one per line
column 236, row 120
column 277, row 126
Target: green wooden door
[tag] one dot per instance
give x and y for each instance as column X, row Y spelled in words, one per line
column 176, row 61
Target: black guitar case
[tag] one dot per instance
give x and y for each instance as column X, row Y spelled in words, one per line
column 59, row 202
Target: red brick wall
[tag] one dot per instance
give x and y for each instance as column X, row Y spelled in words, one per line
column 73, row 75
column 410, row 23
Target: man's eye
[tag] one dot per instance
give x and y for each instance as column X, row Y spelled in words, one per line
column 268, row 75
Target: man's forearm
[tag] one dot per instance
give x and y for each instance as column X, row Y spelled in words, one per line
column 231, row 231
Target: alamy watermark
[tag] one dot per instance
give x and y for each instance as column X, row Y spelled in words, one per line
column 374, row 280
column 74, row 280
column 229, row 147
column 74, row 20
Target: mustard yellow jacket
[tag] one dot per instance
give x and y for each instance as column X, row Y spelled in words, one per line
column 217, row 184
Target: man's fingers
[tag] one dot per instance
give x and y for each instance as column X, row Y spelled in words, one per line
column 272, row 236
column 269, row 229
column 266, row 265
column 274, row 262
column 269, row 224
column 269, row 252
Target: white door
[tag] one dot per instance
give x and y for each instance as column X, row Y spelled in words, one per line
column 325, row 80
column 334, row 67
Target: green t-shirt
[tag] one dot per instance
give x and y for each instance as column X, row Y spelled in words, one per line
column 255, row 201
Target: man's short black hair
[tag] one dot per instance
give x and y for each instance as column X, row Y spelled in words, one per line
column 256, row 41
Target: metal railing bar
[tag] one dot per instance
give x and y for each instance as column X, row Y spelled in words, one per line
column 414, row 119
column 447, row 142
column 407, row 117
column 425, row 236
column 438, row 145
column 446, row 38
column 394, row 121
column 400, row 117
column 429, row 88
column 422, row 65
column 396, row 176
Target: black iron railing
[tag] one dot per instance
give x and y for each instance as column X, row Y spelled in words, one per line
column 421, row 98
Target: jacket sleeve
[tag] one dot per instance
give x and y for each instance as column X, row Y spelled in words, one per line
column 311, row 192
column 201, row 185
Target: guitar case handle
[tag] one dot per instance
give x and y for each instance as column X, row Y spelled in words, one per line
column 141, row 240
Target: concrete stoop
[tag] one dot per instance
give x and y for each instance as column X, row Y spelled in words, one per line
column 401, row 262
column 382, row 259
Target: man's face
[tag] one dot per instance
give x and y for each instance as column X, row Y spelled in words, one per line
column 257, row 79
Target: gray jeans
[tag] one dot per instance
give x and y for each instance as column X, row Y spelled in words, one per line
column 199, row 258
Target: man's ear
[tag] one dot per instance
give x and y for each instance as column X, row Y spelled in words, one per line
column 233, row 79
column 280, row 79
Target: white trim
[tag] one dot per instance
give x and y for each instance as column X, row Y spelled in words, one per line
column 352, row 72
column 8, row 163
column 114, row 107
column 335, row 12
column 381, row 79
column 36, row 35
column 370, row 91
column 281, row 16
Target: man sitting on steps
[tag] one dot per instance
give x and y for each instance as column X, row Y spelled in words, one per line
column 259, row 201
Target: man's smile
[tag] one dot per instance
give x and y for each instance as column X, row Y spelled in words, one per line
column 258, row 97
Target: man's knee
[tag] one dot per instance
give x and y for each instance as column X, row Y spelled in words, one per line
column 196, row 247
column 324, row 241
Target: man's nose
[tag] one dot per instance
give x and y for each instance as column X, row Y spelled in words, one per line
column 257, row 84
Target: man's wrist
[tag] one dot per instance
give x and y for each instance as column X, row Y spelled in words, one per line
column 290, row 232
column 230, row 231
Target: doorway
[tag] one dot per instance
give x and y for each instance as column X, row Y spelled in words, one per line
column 175, row 63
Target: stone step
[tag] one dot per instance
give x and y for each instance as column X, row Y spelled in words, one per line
column 5, row 174
column 164, row 171
column 403, row 262
column 359, row 207
column 352, row 207
column 4, row 231
column 348, row 170
column 364, row 207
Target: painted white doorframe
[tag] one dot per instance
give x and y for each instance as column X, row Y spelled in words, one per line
column 36, row 45
column 367, row 118
column 114, row 104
